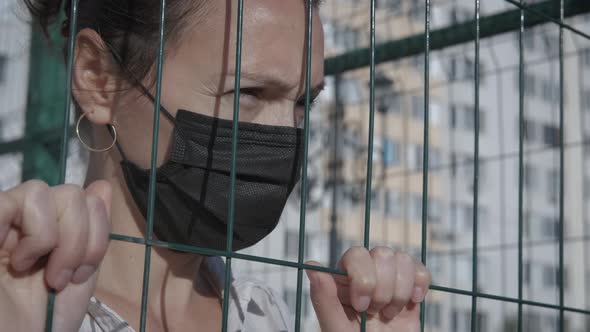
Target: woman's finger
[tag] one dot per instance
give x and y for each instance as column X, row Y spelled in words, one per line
column 404, row 285
column 73, row 236
column 36, row 219
column 98, row 240
column 8, row 212
column 98, row 200
column 325, row 300
column 384, row 260
column 422, row 283
column 102, row 189
column 361, row 277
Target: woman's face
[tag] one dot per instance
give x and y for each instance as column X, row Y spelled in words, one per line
column 199, row 72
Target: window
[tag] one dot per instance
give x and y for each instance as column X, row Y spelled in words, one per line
column 530, row 177
column 416, row 10
column 553, row 186
column 414, row 154
column 526, row 273
column 416, row 208
column 550, row 276
column 375, row 199
column 389, row 4
column 454, row 164
column 530, row 130
column 3, row 62
column 433, row 314
column 435, row 210
column 529, row 41
column 453, row 116
column 585, row 101
column 469, row 68
column 532, row 322
column 462, row 117
column 418, row 107
column 388, row 103
column 391, row 152
column 549, row 227
column 550, row 92
column 350, row 91
column 453, row 69
column 292, row 243
column 464, row 214
column 551, row 135
column 469, row 119
column 526, row 220
column 586, row 57
column 530, row 83
column 461, row 321
column 346, row 37
column 393, row 204
column 290, row 297
column 549, row 41
column 459, row 15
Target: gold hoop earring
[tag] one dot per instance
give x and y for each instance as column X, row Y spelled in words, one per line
column 86, row 145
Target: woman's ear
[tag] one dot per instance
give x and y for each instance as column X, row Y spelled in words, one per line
column 96, row 78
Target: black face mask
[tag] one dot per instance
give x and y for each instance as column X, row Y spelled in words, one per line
column 192, row 188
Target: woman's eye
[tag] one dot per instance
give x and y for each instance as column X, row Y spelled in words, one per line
column 248, row 96
column 250, row 92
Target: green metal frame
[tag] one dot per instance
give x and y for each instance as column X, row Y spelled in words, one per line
column 45, row 104
column 42, row 160
column 462, row 33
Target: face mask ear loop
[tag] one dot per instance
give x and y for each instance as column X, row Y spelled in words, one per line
column 141, row 86
column 110, row 129
column 162, row 108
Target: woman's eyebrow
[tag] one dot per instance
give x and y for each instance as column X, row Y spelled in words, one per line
column 316, row 90
column 277, row 83
column 264, row 79
column 314, row 93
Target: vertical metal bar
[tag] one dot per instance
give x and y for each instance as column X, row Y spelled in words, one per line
column 521, row 133
column 583, row 165
column 234, row 150
column 368, row 191
column 561, row 170
column 475, row 172
column 335, row 172
column 303, row 207
column 153, row 173
column 426, row 148
column 65, row 134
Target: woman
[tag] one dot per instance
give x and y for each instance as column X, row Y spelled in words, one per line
column 57, row 237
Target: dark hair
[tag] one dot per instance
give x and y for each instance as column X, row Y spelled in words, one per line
column 130, row 28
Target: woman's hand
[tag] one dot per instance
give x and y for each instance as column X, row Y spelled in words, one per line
column 388, row 285
column 50, row 237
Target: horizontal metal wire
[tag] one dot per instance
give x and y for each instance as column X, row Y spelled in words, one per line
column 284, row 263
column 507, row 299
column 557, row 21
column 490, row 25
column 221, row 253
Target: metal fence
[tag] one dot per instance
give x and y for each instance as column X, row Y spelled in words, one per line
column 518, row 18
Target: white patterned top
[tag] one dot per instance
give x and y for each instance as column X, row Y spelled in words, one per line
column 253, row 307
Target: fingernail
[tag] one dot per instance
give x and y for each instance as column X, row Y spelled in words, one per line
column 62, row 280
column 83, row 273
column 363, row 304
column 418, row 295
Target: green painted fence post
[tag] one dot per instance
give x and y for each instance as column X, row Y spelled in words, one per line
column 45, row 105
